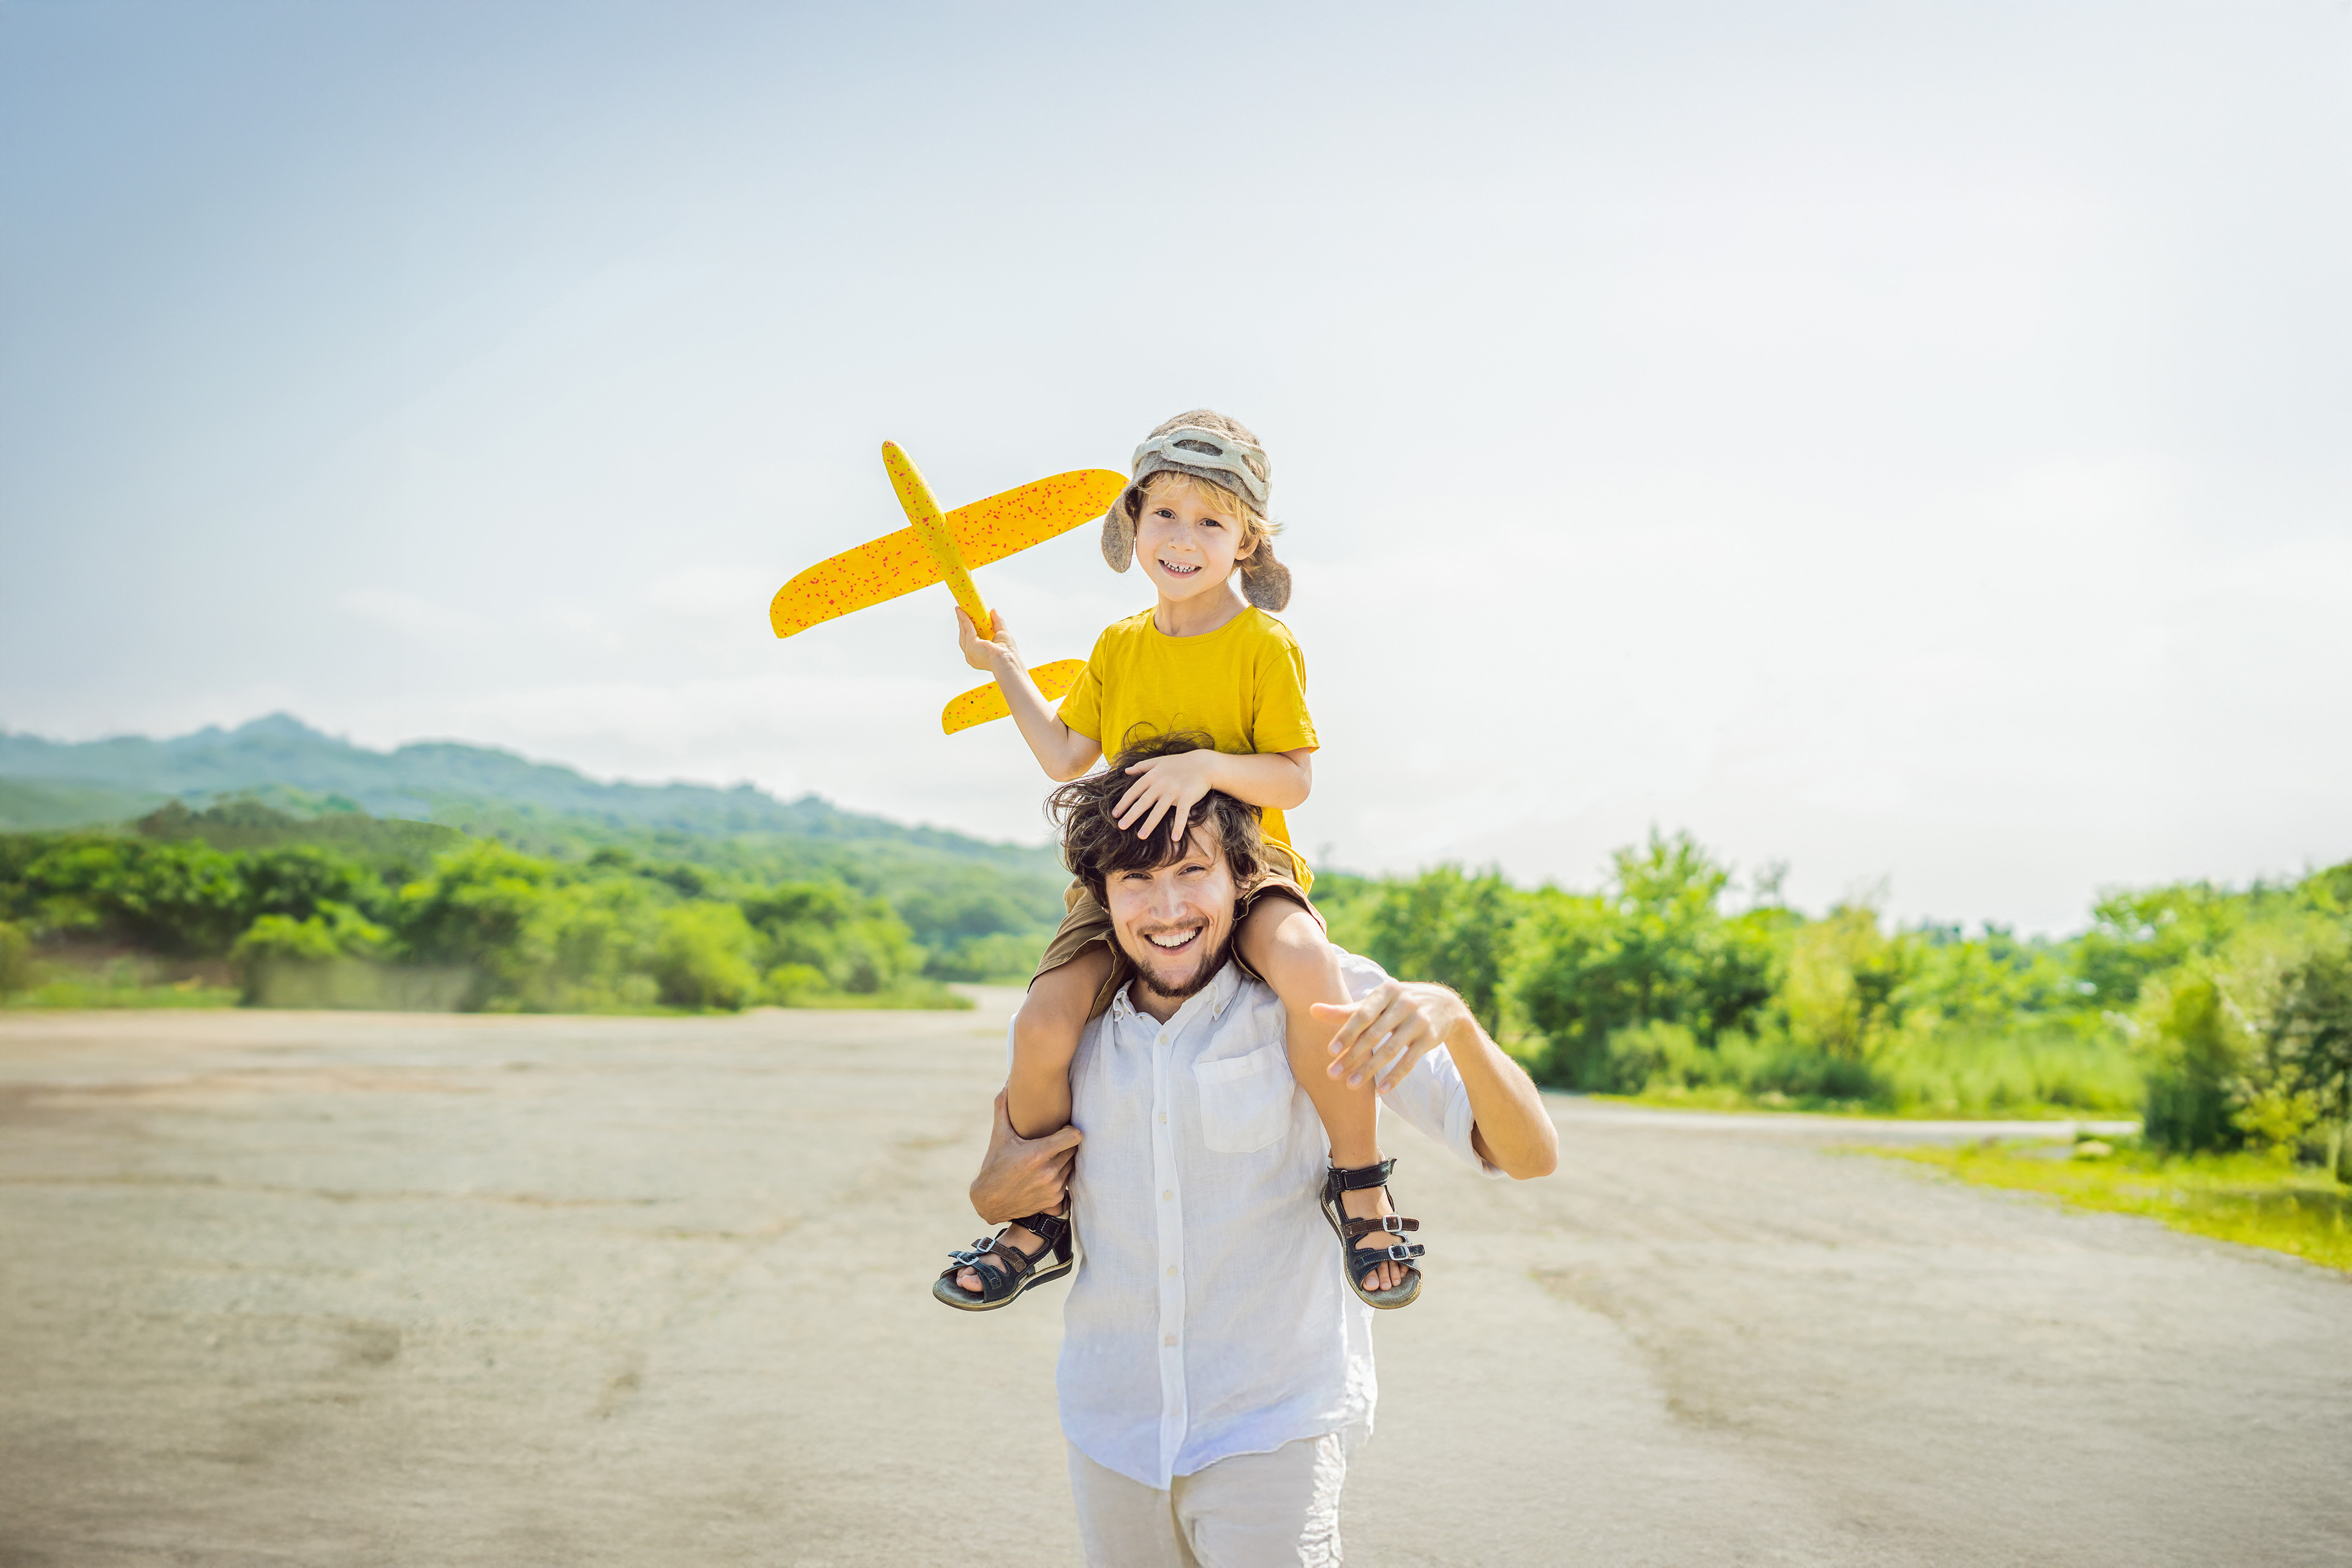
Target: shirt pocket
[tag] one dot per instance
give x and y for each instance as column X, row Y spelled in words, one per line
column 1244, row 1100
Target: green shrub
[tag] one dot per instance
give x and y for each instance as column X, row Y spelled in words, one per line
column 1659, row 1055
column 16, row 960
column 334, row 931
column 703, row 957
column 1004, row 957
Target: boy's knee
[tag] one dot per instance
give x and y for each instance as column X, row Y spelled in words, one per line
column 1281, row 936
column 1061, row 999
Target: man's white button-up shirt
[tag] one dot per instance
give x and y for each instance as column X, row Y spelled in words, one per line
column 1210, row 1315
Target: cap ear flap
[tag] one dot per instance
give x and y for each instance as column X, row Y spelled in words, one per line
column 1266, row 582
column 1118, row 534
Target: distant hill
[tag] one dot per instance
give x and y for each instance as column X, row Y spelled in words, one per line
column 244, row 822
column 52, row 784
column 28, row 805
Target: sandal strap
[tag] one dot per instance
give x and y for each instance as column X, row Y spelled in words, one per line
column 1016, row 1261
column 1362, row 1257
column 1051, row 1229
column 1355, row 1178
column 1393, row 1224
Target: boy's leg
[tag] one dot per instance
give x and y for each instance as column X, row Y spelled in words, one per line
column 1286, row 947
column 1045, row 1041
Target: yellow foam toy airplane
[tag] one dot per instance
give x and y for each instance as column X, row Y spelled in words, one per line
column 935, row 548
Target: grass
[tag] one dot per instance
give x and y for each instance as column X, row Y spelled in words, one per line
column 913, row 994
column 2250, row 1199
column 1724, row 1097
column 2035, row 1075
column 80, row 992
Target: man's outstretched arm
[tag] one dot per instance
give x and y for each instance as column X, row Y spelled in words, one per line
column 1020, row 1176
column 1401, row 1021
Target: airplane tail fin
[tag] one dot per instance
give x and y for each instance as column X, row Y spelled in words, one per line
column 983, row 703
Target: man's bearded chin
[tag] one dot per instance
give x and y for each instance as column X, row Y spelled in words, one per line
column 1176, row 990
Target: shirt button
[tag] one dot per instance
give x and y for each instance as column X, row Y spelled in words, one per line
column 1168, row 1196
column 1163, row 1116
column 1171, row 1271
column 1168, row 1340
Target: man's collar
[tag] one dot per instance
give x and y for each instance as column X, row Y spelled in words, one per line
column 1217, row 997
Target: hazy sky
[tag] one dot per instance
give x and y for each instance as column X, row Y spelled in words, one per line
column 1913, row 442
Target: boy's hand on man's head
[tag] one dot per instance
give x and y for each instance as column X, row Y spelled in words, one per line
column 984, row 652
column 1167, row 786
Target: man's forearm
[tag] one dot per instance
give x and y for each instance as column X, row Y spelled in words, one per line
column 1510, row 1128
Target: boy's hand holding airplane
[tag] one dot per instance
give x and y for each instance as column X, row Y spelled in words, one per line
column 994, row 653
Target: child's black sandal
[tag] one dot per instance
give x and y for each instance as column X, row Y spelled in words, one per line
column 1363, row 1260
column 1004, row 1270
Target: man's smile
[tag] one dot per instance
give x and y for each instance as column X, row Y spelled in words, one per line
column 1172, row 941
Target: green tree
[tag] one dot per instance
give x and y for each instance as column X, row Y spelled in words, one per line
column 1837, row 993
column 474, row 906
column 1450, row 928
column 183, row 900
column 2311, row 1044
column 1654, row 946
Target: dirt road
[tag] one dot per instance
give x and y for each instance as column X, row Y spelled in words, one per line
column 341, row 1290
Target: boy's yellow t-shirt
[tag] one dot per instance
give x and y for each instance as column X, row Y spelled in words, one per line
column 1244, row 685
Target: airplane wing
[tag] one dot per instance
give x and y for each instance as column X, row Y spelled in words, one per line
column 983, row 531
column 982, row 703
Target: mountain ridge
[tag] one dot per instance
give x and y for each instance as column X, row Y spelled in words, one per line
column 442, row 781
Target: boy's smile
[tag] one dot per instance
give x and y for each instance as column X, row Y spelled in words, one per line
column 1188, row 543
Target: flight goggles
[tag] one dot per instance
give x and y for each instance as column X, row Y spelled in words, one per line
column 1190, row 447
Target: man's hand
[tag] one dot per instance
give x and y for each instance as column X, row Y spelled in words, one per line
column 1167, row 786
column 1021, row 1176
column 1383, row 1036
column 987, row 652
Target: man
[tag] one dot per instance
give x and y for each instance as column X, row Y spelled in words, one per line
column 1215, row 1371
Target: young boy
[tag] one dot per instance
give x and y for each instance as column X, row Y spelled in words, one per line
column 1207, row 658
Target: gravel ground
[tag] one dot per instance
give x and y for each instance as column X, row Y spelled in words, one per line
column 356, row 1288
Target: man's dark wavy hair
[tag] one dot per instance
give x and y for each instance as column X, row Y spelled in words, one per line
column 1097, row 849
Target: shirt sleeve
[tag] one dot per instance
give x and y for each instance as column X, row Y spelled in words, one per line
column 1281, row 722
column 1433, row 1097
column 1081, row 709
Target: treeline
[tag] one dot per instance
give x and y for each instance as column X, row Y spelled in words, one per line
column 2224, row 1016
column 614, row 930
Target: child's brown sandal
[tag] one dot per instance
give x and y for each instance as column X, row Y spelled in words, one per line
column 1004, row 1270
column 1362, row 1259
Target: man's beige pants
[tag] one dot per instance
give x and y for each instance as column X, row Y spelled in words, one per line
column 1253, row 1511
